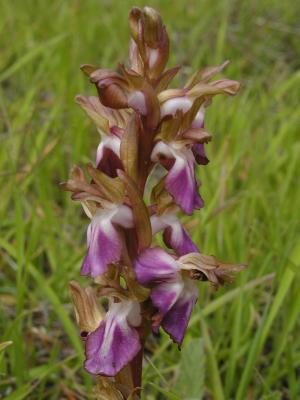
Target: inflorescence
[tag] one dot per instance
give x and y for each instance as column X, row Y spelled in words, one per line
column 152, row 139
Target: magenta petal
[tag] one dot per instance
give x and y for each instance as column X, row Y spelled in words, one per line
column 108, row 162
column 165, row 295
column 174, row 235
column 177, row 238
column 155, row 265
column 199, row 153
column 176, row 320
column 182, row 185
column 137, row 101
column 104, row 246
column 108, row 155
column 198, row 201
column 199, row 119
column 115, row 343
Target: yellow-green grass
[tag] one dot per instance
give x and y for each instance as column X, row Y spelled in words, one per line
column 250, row 330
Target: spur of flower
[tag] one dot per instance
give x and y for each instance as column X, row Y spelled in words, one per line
column 152, row 139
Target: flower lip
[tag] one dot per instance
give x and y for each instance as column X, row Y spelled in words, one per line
column 116, row 341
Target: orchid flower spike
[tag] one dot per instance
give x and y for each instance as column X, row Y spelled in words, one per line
column 144, row 127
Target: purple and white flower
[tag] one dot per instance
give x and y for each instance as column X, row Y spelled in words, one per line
column 174, row 294
column 173, row 284
column 116, row 341
column 104, row 239
column 141, row 122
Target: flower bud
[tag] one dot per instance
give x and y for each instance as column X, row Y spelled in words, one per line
column 152, row 26
column 112, row 88
column 152, row 42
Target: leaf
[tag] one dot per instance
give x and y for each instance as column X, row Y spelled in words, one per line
column 129, row 147
column 3, row 345
column 190, row 383
column 31, row 55
column 266, row 323
column 213, row 372
column 58, row 308
column 166, row 393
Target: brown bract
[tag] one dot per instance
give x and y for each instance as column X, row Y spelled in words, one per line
column 88, row 312
column 149, row 48
column 101, row 190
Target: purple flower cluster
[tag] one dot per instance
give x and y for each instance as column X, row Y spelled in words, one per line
column 152, row 138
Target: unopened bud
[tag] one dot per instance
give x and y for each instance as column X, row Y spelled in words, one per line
column 112, row 88
column 152, row 42
column 152, row 27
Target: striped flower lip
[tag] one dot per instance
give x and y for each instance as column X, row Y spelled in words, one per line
column 116, row 341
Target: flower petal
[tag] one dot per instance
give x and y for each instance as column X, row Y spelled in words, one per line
column 123, row 217
column 155, row 265
column 137, row 101
column 171, row 106
column 176, row 320
column 198, row 148
column 181, row 183
column 199, row 153
column 177, row 238
column 108, row 156
column 165, row 295
column 199, row 119
column 116, row 342
column 104, row 245
column 174, row 235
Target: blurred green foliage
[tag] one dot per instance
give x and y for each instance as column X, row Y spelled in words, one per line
column 250, row 331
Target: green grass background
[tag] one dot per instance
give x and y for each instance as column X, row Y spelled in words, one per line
column 250, row 343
